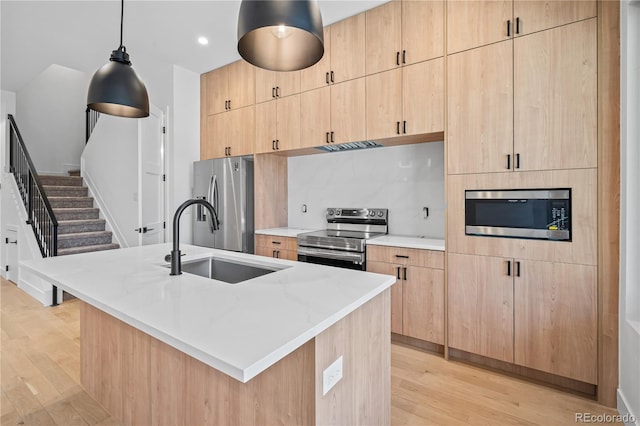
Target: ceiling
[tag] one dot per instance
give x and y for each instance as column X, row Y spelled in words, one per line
column 82, row 34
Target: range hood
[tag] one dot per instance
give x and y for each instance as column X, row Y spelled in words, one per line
column 348, row 146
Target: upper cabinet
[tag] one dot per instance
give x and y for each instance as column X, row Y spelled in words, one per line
column 402, row 33
column 407, row 101
column 273, row 84
column 344, row 55
column 472, row 23
column 334, row 114
column 525, row 104
column 348, row 49
column 230, row 87
column 316, row 75
column 278, row 125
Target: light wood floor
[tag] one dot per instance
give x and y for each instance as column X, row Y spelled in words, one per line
column 41, row 380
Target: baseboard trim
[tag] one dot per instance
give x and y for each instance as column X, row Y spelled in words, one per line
column 629, row 418
column 417, row 343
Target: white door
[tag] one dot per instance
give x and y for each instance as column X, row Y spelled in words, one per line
column 151, row 178
column 11, row 245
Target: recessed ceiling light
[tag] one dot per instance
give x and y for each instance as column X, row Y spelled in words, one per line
column 203, row 41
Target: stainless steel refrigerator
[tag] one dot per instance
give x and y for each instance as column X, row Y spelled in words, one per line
column 227, row 183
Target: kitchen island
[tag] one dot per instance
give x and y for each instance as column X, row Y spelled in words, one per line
column 161, row 349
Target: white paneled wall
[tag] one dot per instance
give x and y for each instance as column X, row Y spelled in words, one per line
column 403, row 179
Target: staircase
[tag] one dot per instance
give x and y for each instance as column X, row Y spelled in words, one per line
column 80, row 229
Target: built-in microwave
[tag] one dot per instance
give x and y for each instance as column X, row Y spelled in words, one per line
column 542, row 214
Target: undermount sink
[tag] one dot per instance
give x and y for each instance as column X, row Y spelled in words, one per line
column 231, row 272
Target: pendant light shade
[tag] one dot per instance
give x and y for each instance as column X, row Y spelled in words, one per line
column 280, row 35
column 116, row 88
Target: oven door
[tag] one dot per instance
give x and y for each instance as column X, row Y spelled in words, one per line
column 339, row 258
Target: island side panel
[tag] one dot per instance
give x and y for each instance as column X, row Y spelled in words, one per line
column 141, row 380
column 363, row 395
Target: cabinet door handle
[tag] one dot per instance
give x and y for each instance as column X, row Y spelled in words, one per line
column 405, row 273
column 402, row 256
column 397, row 58
column 397, row 272
column 508, row 27
column 518, row 25
column 332, row 137
column 508, row 161
column 508, row 268
column 277, row 91
column 277, row 144
column 229, row 103
column 517, row 161
column 273, row 92
column 327, row 137
column 404, row 126
column 517, row 268
column 273, row 145
column 326, row 77
column 278, row 254
column 332, row 76
column 404, row 56
column 276, row 242
column 398, row 127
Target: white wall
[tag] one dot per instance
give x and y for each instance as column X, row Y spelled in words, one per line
column 110, row 170
column 7, row 106
column 629, row 304
column 183, row 146
column 403, row 179
column 50, row 113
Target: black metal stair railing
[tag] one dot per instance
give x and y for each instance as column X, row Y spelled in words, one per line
column 40, row 214
column 91, row 118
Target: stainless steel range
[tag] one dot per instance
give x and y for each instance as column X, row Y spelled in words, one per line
column 343, row 243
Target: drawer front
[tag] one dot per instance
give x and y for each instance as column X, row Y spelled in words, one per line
column 281, row 243
column 406, row 256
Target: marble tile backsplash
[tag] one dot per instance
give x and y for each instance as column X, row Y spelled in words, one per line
column 403, row 179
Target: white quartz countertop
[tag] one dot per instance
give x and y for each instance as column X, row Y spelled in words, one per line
column 240, row 329
column 283, row 232
column 407, row 242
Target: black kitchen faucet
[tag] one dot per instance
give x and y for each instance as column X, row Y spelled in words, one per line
column 176, row 265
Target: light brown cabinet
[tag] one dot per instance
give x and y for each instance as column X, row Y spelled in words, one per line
column 344, row 55
column 334, row 114
column 230, row 87
column 417, row 297
column 528, row 104
column 277, row 247
column 540, row 315
column 229, row 134
column 472, row 23
column 406, row 101
column 401, row 33
column 316, row 75
column 272, row 85
column 278, row 125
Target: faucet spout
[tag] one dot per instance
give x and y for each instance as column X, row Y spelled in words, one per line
column 176, row 264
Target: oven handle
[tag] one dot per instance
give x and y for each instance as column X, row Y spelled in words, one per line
column 331, row 254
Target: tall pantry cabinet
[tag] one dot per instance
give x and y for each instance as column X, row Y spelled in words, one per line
column 522, row 113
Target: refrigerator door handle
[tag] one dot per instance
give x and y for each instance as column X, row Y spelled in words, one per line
column 215, row 202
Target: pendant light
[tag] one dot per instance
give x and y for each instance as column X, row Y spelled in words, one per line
column 116, row 89
column 280, row 35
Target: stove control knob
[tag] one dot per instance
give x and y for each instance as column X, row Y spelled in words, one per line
column 372, row 213
column 380, row 213
column 338, row 212
column 330, row 212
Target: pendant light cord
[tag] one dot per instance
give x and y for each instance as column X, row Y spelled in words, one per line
column 121, row 20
